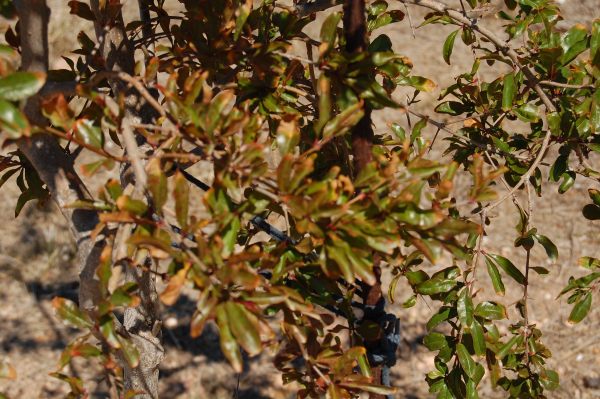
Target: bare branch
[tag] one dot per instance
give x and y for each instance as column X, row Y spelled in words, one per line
column 565, row 85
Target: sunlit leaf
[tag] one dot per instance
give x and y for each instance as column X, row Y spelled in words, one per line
column 581, row 309
column 449, row 46
column 20, row 85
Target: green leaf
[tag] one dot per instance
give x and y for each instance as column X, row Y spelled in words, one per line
column 449, row 46
column 567, row 183
column 443, row 314
column 12, row 121
column 229, row 345
column 382, row 43
column 20, row 85
column 491, row 311
column 68, row 311
column 420, row 83
column 472, row 390
column 128, row 204
column 377, row 7
column 204, row 311
column 464, row 307
column 435, row 341
column 89, row 134
column 453, row 108
column 344, row 121
column 242, row 12
column 589, row 262
column 528, row 113
column 508, row 267
column 595, row 43
column 123, row 295
column 230, row 236
column 181, row 193
column 157, row 183
column 495, row 277
column 505, row 349
column 478, row 338
column 508, row 92
column 107, row 328
column 410, row 302
column 594, row 195
column 549, row 379
column 329, row 30
column 548, row 245
column 573, row 43
column 244, row 326
column 436, row 286
column 581, row 309
column 466, row 361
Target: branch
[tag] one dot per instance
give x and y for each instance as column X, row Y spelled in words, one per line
column 306, row 8
column 142, row 321
column 565, row 85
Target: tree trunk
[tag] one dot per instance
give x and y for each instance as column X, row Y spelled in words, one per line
column 53, row 164
column 142, row 322
column 355, row 32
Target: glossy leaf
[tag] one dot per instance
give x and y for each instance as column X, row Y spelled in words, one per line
column 581, row 309
column 495, row 277
column 466, row 361
column 20, row 85
column 449, row 46
column 508, row 267
column 464, row 307
column 548, row 245
column 508, row 92
column 12, row 121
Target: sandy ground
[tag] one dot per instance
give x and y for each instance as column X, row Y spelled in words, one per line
column 36, row 255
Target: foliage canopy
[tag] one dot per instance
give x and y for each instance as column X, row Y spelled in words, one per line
column 222, row 84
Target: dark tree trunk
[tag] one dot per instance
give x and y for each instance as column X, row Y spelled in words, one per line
column 355, row 32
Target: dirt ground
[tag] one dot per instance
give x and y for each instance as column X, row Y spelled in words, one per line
column 36, row 254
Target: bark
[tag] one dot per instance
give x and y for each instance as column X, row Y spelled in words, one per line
column 355, row 32
column 142, row 322
column 53, row 164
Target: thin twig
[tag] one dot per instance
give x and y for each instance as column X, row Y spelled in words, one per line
column 410, row 22
column 133, row 152
column 143, row 92
column 565, row 85
column 294, row 57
